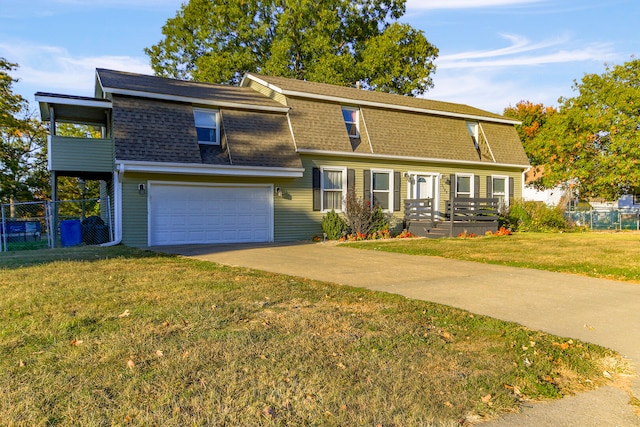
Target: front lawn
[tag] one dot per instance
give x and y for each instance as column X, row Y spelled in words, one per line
column 604, row 255
column 116, row 336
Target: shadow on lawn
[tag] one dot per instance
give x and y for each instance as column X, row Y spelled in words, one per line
column 13, row 260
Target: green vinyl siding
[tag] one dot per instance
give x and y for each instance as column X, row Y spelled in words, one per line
column 294, row 218
column 81, row 154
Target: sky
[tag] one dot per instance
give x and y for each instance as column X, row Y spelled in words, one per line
column 492, row 53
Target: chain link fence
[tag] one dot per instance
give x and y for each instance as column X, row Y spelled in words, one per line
column 38, row 225
column 609, row 219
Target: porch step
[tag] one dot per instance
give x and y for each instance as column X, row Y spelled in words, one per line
column 433, row 230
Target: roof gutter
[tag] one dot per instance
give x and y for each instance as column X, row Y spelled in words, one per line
column 407, row 158
column 192, row 100
column 208, row 170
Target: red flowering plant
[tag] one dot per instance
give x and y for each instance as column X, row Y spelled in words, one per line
column 405, row 235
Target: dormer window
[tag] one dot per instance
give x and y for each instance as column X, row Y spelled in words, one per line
column 350, row 116
column 207, row 126
column 472, row 127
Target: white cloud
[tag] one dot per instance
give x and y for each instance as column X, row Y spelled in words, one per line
column 494, row 79
column 466, row 4
column 53, row 69
column 521, row 52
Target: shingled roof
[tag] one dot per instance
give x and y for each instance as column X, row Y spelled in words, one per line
column 123, row 83
column 293, row 87
column 153, row 122
column 391, row 125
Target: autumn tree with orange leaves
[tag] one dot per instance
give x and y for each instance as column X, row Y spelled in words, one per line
column 533, row 118
column 593, row 140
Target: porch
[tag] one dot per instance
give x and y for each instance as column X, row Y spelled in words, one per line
column 470, row 215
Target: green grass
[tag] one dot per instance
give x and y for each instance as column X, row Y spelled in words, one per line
column 604, row 255
column 116, row 336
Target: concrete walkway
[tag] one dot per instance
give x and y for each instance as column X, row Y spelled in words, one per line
column 599, row 311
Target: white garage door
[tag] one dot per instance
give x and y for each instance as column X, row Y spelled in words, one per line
column 196, row 214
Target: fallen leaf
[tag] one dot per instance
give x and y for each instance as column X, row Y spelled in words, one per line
column 447, row 336
column 527, row 362
column 448, row 404
column 76, row 342
column 486, row 399
column 564, row 346
column 159, row 353
column 21, row 363
column 124, row 313
column 131, row 364
column 606, row 374
column 341, row 365
column 268, row 412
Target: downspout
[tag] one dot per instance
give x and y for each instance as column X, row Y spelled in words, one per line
column 117, row 206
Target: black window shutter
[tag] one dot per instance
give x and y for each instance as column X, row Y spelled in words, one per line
column 317, row 191
column 367, row 185
column 489, row 186
column 511, row 185
column 351, row 180
column 452, row 186
column 476, row 186
column 396, row 191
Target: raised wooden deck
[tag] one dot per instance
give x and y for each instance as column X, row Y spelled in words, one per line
column 470, row 215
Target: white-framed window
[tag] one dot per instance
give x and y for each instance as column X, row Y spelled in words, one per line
column 382, row 189
column 464, row 185
column 333, row 182
column 351, row 116
column 500, row 190
column 207, row 126
column 636, row 198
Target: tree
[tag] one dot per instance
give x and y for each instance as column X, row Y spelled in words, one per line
column 332, row 41
column 533, row 118
column 23, row 174
column 594, row 139
column 10, row 103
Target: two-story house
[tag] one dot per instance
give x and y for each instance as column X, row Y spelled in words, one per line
column 195, row 163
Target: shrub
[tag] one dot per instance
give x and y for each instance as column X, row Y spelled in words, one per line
column 380, row 221
column 359, row 215
column 333, row 225
column 533, row 216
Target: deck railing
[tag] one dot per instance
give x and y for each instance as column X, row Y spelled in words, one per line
column 473, row 209
column 419, row 210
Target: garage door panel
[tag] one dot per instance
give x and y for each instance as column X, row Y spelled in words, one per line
column 192, row 214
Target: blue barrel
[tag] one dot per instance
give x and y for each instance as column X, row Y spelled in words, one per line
column 70, row 232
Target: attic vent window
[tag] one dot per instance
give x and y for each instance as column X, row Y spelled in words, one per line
column 350, row 116
column 207, row 126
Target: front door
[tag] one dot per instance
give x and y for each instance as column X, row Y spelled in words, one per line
column 424, row 186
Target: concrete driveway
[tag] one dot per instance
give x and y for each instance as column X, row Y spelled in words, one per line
column 599, row 311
